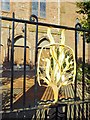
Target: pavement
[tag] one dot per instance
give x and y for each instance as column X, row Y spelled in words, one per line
column 18, row 88
column 42, row 92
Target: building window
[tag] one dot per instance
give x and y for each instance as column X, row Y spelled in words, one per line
column 5, row 5
column 39, row 8
column 43, row 8
column 35, row 7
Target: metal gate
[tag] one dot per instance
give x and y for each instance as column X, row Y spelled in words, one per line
column 70, row 108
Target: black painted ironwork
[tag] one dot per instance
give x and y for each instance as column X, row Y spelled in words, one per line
column 71, row 107
column 8, row 42
column 78, row 25
column 83, row 75
column 12, row 63
column 24, row 81
column 49, row 112
column 43, row 24
column 36, row 55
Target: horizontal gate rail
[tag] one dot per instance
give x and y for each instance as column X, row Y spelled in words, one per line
column 44, row 24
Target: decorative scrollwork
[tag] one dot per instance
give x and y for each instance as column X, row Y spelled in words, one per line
column 56, row 65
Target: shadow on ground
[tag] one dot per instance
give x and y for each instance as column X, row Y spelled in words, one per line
column 29, row 99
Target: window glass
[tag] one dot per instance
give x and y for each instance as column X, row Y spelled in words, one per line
column 39, row 8
column 5, row 5
column 35, row 7
column 43, row 8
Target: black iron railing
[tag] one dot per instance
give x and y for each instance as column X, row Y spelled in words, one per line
column 61, row 110
column 72, row 110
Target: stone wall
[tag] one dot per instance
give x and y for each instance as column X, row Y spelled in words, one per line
column 68, row 17
column 23, row 10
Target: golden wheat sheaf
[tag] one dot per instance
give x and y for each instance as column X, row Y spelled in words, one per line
column 56, row 65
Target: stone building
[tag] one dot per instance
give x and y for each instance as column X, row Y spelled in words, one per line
column 68, row 17
column 46, row 11
column 61, row 13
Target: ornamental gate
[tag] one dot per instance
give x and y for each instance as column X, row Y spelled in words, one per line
column 31, row 101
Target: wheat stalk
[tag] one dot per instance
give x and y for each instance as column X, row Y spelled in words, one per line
column 56, row 65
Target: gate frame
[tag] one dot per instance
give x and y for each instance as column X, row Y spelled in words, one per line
column 34, row 21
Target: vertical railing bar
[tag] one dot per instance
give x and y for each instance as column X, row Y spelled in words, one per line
column 12, row 64
column 78, row 111
column 83, row 66
column 75, row 91
column 78, row 25
column 24, row 81
column 8, row 42
column 70, row 112
column 36, row 52
column 66, row 109
column 46, row 114
column 35, row 18
column 83, row 75
column 56, row 116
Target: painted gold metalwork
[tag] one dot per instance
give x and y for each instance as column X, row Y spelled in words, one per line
column 56, row 65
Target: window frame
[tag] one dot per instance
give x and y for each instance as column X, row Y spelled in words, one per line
column 39, row 11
